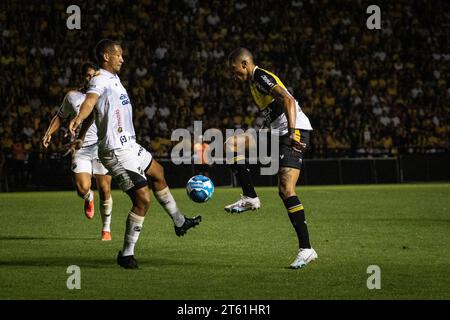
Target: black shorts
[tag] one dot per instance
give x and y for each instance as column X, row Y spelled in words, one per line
column 288, row 157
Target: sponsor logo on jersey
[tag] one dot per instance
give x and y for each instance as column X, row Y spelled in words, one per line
column 267, row 80
column 124, row 99
column 123, row 139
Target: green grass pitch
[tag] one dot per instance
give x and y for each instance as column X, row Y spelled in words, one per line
column 404, row 229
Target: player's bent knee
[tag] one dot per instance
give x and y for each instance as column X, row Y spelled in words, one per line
column 83, row 188
column 142, row 200
column 140, row 197
column 143, row 204
column 230, row 144
column 230, row 148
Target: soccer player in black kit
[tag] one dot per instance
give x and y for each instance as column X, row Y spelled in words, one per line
column 285, row 115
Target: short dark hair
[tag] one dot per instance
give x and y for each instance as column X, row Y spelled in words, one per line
column 86, row 66
column 239, row 53
column 102, row 47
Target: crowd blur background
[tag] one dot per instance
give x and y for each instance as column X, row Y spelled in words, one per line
column 367, row 92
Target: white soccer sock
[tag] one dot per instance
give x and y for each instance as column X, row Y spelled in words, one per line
column 105, row 211
column 132, row 231
column 88, row 196
column 167, row 201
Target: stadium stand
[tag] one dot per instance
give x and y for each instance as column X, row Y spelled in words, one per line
column 367, row 92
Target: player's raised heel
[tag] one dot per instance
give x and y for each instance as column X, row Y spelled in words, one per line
column 127, row 262
column 89, row 207
column 244, row 204
column 304, row 257
column 188, row 223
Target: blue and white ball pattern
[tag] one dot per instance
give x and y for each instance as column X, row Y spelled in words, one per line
column 200, row 188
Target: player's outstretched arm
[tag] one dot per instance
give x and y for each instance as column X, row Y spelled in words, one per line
column 85, row 110
column 52, row 128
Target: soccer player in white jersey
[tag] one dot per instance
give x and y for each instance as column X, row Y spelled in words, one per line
column 127, row 161
column 85, row 161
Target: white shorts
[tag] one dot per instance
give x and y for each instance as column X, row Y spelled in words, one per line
column 128, row 165
column 85, row 160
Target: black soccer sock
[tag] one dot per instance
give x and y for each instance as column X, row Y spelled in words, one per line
column 296, row 214
column 242, row 174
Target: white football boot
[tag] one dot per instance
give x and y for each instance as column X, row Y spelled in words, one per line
column 304, row 257
column 244, row 204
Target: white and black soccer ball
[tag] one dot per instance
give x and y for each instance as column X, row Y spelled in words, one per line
column 200, row 188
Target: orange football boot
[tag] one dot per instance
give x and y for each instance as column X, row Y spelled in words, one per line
column 89, row 207
column 106, row 236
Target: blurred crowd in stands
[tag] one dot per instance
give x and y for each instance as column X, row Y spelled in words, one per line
column 366, row 92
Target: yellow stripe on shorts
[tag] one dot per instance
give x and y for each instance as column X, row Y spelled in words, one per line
column 298, row 135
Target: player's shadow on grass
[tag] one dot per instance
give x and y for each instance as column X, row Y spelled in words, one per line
column 16, row 238
column 160, row 262
column 97, row 262
column 88, row 262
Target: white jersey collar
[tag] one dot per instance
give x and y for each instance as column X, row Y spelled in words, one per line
column 108, row 73
column 253, row 73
